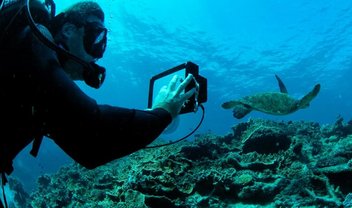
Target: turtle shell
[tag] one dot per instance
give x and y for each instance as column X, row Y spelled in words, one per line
column 275, row 103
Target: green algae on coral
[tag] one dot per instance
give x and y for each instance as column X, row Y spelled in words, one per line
column 314, row 169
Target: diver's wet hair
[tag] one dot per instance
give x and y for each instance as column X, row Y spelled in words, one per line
column 85, row 9
column 77, row 14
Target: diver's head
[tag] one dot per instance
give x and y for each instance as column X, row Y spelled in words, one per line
column 81, row 31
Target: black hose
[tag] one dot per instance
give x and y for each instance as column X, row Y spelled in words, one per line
column 46, row 41
column 1, row 4
column 185, row 137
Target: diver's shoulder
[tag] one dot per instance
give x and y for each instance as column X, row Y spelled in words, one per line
column 28, row 32
column 45, row 31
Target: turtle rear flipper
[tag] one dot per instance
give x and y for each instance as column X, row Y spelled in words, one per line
column 304, row 102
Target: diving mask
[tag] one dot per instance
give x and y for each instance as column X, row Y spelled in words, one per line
column 95, row 39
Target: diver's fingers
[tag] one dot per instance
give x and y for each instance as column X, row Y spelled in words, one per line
column 184, row 83
column 173, row 82
column 163, row 88
column 188, row 94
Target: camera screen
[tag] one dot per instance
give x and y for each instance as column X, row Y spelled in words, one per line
column 164, row 81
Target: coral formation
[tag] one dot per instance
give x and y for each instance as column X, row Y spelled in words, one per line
column 261, row 163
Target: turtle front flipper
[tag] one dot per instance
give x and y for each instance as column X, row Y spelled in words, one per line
column 230, row 104
column 304, row 102
column 240, row 111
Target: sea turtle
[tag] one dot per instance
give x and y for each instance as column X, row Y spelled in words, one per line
column 275, row 103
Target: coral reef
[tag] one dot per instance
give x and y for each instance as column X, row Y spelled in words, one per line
column 261, row 163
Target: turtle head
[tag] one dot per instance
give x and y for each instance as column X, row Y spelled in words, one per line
column 304, row 102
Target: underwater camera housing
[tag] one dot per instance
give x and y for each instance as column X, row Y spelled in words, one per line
column 188, row 68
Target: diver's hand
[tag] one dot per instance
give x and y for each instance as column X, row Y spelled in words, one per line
column 172, row 97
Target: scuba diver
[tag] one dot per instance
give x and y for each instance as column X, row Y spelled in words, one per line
column 39, row 96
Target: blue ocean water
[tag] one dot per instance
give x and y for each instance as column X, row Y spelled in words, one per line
column 239, row 46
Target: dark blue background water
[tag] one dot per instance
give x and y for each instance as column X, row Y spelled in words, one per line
column 238, row 45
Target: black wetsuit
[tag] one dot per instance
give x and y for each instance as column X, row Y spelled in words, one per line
column 38, row 98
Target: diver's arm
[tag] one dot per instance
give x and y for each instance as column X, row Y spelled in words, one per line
column 91, row 134
column 118, row 132
column 133, row 123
